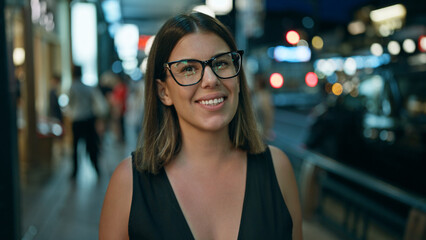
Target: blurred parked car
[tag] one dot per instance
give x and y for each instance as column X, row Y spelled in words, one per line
column 380, row 128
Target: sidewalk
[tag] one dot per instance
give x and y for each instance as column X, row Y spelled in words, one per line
column 61, row 208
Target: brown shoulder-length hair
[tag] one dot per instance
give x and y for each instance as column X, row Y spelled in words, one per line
column 160, row 139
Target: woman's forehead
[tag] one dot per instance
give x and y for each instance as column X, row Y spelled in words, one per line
column 198, row 45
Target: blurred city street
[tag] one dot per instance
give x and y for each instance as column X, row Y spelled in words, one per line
column 339, row 86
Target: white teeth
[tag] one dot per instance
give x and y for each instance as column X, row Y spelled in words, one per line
column 215, row 101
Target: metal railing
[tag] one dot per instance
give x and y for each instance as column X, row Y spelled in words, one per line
column 362, row 196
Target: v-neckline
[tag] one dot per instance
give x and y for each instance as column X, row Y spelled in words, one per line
column 180, row 211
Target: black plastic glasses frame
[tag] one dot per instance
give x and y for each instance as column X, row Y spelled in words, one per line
column 204, row 64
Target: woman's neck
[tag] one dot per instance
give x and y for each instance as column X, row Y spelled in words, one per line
column 202, row 148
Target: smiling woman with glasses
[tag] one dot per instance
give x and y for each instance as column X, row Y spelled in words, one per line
column 201, row 169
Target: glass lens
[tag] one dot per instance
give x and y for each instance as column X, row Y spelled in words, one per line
column 227, row 65
column 187, row 72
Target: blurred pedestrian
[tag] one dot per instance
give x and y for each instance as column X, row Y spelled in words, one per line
column 107, row 82
column 55, row 114
column 55, row 111
column 264, row 107
column 81, row 102
column 119, row 96
column 101, row 109
column 135, row 104
column 201, row 170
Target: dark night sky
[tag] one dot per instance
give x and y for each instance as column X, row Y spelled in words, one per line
column 338, row 11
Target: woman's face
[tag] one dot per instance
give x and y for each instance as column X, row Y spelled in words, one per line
column 210, row 104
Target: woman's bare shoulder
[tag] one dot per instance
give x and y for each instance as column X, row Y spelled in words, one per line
column 288, row 186
column 283, row 171
column 116, row 207
column 123, row 172
column 280, row 159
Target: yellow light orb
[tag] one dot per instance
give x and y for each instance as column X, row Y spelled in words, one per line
column 317, row 42
column 337, row 89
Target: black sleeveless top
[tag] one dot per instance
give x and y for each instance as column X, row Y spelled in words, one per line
column 156, row 214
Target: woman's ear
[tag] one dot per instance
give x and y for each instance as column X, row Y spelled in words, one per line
column 163, row 93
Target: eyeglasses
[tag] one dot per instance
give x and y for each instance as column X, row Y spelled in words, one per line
column 187, row 72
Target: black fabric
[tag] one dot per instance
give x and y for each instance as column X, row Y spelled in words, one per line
column 86, row 130
column 156, row 214
column 54, row 108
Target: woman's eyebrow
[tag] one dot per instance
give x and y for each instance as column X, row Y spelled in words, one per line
column 189, row 59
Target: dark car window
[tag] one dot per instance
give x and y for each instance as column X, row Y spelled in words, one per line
column 370, row 90
column 379, row 95
column 413, row 93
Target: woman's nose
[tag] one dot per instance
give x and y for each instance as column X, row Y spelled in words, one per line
column 209, row 78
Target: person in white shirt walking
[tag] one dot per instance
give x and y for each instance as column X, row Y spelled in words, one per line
column 83, row 120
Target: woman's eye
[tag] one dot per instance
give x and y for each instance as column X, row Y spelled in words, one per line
column 188, row 69
column 220, row 65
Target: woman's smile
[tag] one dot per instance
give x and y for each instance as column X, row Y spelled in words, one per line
column 212, row 102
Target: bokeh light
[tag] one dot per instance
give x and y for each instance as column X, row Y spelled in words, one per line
column 422, row 43
column 143, row 65
column 356, row 27
column 63, row 100
column 292, row 37
column 337, row 89
column 317, row 42
column 204, row 9
column 348, row 86
column 276, row 80
column 148, row 44
column 143, row 39
column 376, row 49
column 308, row 22
column 292, row 54
column 303, row 43
column 116, row 67
column 394, row 48
column 18, row 56
column 311, row 79
column 409, row 45
column 328, row 67
column 349, row 67
column 220, row 7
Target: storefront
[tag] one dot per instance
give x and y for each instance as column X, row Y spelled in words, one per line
column 38, row 38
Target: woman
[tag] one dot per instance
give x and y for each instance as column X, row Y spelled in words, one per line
column 202, row 171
